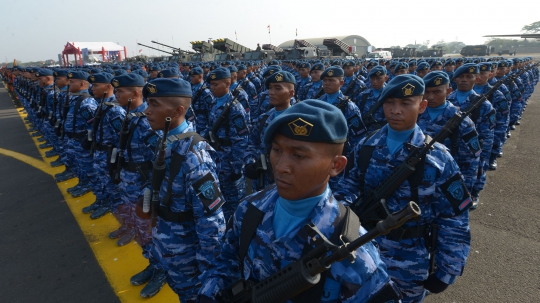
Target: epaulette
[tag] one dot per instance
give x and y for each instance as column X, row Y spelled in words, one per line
column 136, row 114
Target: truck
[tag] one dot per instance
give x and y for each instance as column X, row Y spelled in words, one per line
column 476, row 50
column 299, row 53
column 205, row 51
column 434, row 51
column 261, row 55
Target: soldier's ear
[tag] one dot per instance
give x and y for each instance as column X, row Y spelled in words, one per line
column 339, row 163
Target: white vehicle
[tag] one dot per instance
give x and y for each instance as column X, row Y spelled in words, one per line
column 379, row 55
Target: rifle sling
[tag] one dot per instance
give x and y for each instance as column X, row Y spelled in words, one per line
column 81, row 98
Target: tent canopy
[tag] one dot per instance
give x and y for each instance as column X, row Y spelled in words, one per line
column 93, row 47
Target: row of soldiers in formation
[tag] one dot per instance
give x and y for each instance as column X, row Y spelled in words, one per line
column 241, row 120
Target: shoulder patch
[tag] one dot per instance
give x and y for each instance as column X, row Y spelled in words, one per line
column 240, row 125
column 456, row 192
column 209, row 194
column 151, row 140
column 116, row 123
column 86, row 113
column 356, row 125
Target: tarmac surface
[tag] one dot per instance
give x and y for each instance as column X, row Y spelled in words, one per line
column 47, row 255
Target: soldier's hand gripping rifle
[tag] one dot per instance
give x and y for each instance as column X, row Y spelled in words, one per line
column 119, row 161
column 151, row 201
column 306, row 272
column 373, row 208
column 215, row 141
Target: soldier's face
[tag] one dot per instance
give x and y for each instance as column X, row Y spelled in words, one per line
column 483, row 77
column 348, row 71
column 422, row 73
column 465, row 82
column 156, row 112
column 196, row 79
column 220, row 87
column 123, row 94
column 449, row 68
column 316, row 75
column 61, row 81
column 302, row 169
column 401, row 72
column 377, row 82
column 436, row 67
column 280, row 94
column 304, row 72
column 436, row 96
column 241, row 74
column 402, row 113
column 332, row 84
column 98, row 89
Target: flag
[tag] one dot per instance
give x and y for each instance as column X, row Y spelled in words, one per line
column 268, row 29
column 140, row 51
column 296, row 32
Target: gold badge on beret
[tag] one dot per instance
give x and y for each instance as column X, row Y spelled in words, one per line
column 271, row 72
column 37, row 74
column 92, row 78
column 330, row 73
column 213, row 76
column 484, row 67
column 301, row 127
column 56, row 74
column 408, row 89
column 472, row 69
column 70, row 75
column 115, row 83
column 151, row 88
column 378, row 73
column 437, row 81
column 279, row 77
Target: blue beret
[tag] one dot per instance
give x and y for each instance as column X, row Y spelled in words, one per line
column 279, row 77
column 502, row 63
column 168, row 73
column 436, row 63
column 218, row 74
column 43, row 72
column 436, row 78
column 412, row 62
column 317, row 66
column 61, row 73
column 153, row 68
column 94, row 70
column 143, row 73
column 128, row 80
column 120, row 72
column 273, row 62
column 100, row 78
column 422, row 66
column 80, row 75
column 232, row 69
column 304, row 65
column 270, row 70
column 242, row 67
column 449, row 62
column 349, row 63
column 485, row 66
column 401, row 65
column 459, row 60
column 249, row 64
column 167, row 87
column 333, row 71
column 196, row 71
column 378, row 70
column 403, row 86
column 467, row 68
column 310, row 121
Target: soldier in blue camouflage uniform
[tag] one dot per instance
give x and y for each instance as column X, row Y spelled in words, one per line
column 190, row 220
column 305, row 153
column 422, row 69
column 253, row 77
column 367, row 101
column 310, row 90
column 354, row 84
column 500, row 103
column 46, row 81
column 239, row 93
column 280, row 87
column 61, row 82
column 463, row 144
column 230, row 138
column 76, row 125
column 483, row 118
column 104, row 140
column 517, row 102
column 441, row 195
column 202, row 97
column 262, row 98
column 500, row 135
column 303, row 71
column 449, row 67
column 249, row 88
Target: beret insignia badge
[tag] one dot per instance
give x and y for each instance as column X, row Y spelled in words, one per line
column 115, row 83
column 300, row 127
column 472, row 69
column 279, row 77
column 213, row 76
column 408, row 89
column 330, row 73
column 151, row 88
column 437, row 81
column 92, row 78
column 70, row 75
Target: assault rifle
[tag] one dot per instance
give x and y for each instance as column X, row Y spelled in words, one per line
column 65, row 111
column 95, row 124
column 306, row 272
column 151, row 202
column 122, row 146
column 373, row 208
column 52, row 114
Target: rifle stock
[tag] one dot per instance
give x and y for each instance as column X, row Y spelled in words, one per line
column 122, row 146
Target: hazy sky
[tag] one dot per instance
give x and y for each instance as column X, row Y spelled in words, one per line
column 32, row 30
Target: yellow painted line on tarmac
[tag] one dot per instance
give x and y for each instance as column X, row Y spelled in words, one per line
column 118, row 263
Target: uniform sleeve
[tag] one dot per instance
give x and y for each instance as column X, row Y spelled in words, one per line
column 206, row 199
column 450, row 203
column 348, row 190
column 204, row 105
column 224, row 270
column 239, row 135
column 470, row 156
column 485, row 129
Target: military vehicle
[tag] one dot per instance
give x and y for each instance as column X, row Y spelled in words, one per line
column 434, row 51
column 180, row 55
column 261, row 55
column 231, row 50
column 205, row 51
column 299, row 53
column 476, row 50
